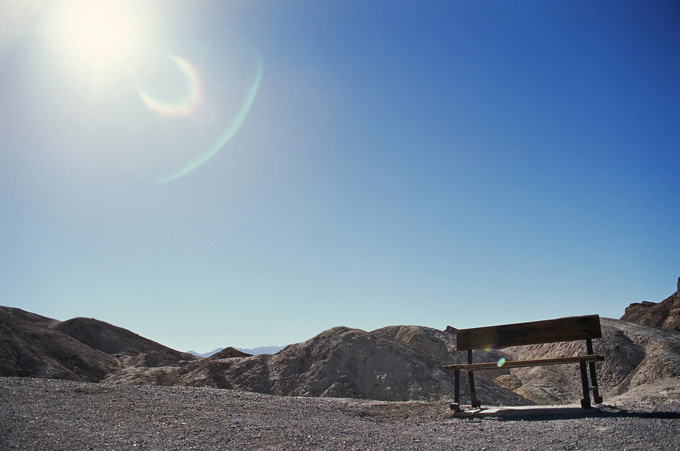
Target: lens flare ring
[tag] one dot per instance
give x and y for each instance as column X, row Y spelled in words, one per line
column 226, row 134
column 186, row 102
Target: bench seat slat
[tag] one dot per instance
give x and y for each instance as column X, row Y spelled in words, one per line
column 523, row 363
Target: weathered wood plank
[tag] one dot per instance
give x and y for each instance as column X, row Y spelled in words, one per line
column 562, row 329
column 523, row 363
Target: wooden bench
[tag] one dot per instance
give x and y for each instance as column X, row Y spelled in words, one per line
column 551, row 331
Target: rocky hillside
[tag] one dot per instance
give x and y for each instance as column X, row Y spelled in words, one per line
column 636, row 356
column 392, row 363
column 395, row 363
column 664, row 314
column 78, row 349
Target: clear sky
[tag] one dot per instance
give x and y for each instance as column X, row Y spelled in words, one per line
column 251, row 173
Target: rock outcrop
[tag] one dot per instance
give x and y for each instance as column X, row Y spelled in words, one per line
column 664, row 314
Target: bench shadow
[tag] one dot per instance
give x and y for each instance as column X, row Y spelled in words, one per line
column 547, row 413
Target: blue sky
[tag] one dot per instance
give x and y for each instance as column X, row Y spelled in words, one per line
column 305, row 164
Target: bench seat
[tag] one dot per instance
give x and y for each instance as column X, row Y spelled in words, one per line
column 523, row 363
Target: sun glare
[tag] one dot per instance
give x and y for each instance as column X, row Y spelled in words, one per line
column 100, row 33
column 153, row 109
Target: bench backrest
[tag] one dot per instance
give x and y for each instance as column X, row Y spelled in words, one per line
column 562, row 329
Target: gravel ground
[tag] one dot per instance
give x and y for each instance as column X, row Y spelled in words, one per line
column 50, row 414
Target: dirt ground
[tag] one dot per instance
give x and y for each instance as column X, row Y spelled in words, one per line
column 50, row 414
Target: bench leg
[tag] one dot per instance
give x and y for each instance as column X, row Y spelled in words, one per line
column 585, row 402
column 473, row 395
column 593, row 378
column 456, row 391
column 471, row 376
column 597, row 399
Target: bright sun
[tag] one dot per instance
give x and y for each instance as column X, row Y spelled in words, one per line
column 102, row 34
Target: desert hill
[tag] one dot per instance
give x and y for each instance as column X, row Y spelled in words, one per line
column 30, row 346
column 395, row 363
column 392, row 364
column 253, row 351
column 78, row 349
column 228, row 353
column 664, row 314
column 120, row 342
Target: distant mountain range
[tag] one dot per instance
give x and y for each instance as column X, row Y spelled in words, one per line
column 395, row 363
